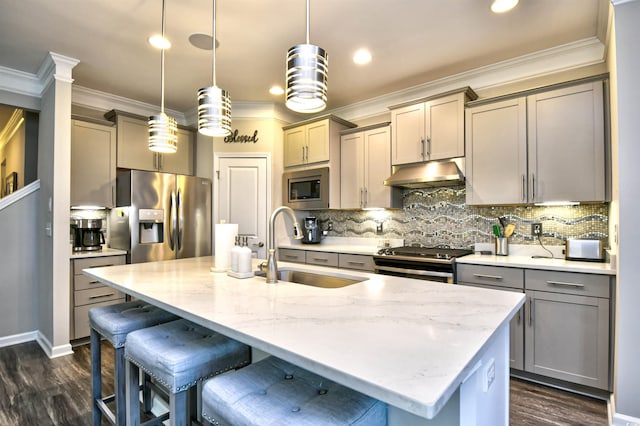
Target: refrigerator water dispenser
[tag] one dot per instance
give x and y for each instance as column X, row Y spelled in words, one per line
column 151, row 226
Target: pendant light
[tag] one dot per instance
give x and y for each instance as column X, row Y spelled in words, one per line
column 163, row 130
column 214, row 104
column 307, row 68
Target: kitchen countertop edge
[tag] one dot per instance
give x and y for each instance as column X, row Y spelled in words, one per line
column 106, row 251
column 528, row 262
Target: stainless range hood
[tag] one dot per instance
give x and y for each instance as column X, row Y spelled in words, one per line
column 429, row 174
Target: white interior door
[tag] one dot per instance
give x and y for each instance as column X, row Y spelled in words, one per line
column 242, row 195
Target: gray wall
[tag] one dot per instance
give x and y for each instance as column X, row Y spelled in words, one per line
column 627, row 377
column 18, row 267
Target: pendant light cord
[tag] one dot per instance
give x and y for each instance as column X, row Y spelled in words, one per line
column 162, row 64
column 307, row 21
column 213, row 44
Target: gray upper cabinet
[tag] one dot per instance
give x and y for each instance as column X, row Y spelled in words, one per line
column 93, row 164
column 133, row 151
column 496, row 161
column 545, row 147
column 365, row 164
column 567, row 144
column 313, row 142
column 431, row 129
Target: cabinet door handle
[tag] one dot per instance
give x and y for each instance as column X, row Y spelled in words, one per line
column 99, row 266
column 533, row 187
column 361, row 198
column 351, row 262
column 565, row 284
column 422, row 149
column 530, row 311
column 491, row 277
column 100, row 296
column 524, row 191
column 519, row 316
column 428, row 148
column 291, row 256
column 366, row 197
column 319, row 259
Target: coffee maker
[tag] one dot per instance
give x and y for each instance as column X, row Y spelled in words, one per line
column 87, row 234
column 311, row 234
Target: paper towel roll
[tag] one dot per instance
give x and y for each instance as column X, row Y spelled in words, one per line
column 224, row 239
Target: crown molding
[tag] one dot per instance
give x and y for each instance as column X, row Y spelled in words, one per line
column 569, row 56
column 91, row 98
column 20, row 82
column 545, row 62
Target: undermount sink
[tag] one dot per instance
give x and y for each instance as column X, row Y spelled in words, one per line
column 315, row 280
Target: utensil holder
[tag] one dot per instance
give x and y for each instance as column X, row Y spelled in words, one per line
column 502, row 246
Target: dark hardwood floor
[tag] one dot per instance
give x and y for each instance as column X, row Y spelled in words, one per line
column 36, row 390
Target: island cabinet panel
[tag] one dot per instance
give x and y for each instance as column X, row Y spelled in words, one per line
column 549, row 146
column 87, row 293
column 93, row 164
column 365, row 164
column 133, row 151
column 506, row 279
column 432, row 129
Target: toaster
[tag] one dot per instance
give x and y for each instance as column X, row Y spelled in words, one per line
column 586, row 250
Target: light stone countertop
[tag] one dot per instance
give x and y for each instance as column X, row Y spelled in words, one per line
column 539, row 263
column 104, row 252
column 409, row 343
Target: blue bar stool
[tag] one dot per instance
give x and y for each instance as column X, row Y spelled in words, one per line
column 178, row 355
column 114, row 323
column 274, row 392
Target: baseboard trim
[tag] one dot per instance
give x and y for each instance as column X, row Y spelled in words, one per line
column 16, row 339
column 53, row 351
column 617, row 419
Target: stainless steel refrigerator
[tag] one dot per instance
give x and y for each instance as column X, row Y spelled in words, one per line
column 161, row 216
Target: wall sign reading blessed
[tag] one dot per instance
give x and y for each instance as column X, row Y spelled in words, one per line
column 234, row 137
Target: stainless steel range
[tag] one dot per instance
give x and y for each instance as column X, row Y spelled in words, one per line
column 426, row 263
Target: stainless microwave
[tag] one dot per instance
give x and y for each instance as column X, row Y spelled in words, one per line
column 306, row 189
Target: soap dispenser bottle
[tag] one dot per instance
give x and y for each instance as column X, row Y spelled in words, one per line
column 244, row 256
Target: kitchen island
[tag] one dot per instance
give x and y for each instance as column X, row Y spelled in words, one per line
column 436, row 353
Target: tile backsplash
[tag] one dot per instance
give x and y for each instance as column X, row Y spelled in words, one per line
column 440, row 216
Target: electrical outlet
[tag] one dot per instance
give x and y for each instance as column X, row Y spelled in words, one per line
column 536, row 229
column 378, row 228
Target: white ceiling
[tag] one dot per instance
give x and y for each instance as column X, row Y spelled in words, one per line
column 412, row 41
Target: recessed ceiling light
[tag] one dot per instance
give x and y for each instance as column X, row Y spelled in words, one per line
column 362, row 57
column 276, row 90
column 158, row 42
column 501, row 6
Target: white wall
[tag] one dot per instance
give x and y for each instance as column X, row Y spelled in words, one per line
column 627, row 375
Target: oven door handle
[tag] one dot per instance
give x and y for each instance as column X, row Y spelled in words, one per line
column 415, row 271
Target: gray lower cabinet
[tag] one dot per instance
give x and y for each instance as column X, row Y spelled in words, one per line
column 87, row 293
column 567, row 335
column 564, row 330
column 336, row 260
column 500, row 278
